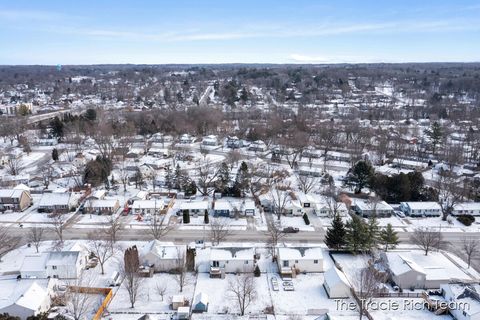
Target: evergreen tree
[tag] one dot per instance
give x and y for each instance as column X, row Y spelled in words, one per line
column 206, row 219
column 356, row 235
column 336, row 234
column 223, row 179
column 242, row 181
column 360, row 175
column 389, row 237
column 168, row 178
column 57, row 128
column 186, row 216
column 373, row 232
column 256, row 271
column 55, row 154
column 434, row 133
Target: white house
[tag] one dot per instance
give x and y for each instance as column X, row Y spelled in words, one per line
column 163, row 257
column 413, row 269
column 102, row 206
column 147, row 206
column 194, row 207
column 230, row 260
column 294, row 208
column 293, row 260
column 210, row 140
column 24, row 298
column 65, row 264
column 421, row 208
column 336, row 284
column 322, row 209
column 366, row 208
column 472, row 208
column 56, row 201
column 465, row 298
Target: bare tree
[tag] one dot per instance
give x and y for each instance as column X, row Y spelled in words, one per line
column 471, row 248
column 306, row 183
column 448, row 192
column 330, row 197
column 274, row 235
column 8, row 241
column 14, row 166
column 35, row 236
column 219, row 230
column 157, row 228
column 243, row 291
column 366, row 285
column 79, row 301
column 161, row 289
column 427, row 239
column 58, row 225
column 207, row 173
column 233, row 157
column 279, row 190
column 132, row 281
column 101, row 248
column 114, row 225
column 180, row 271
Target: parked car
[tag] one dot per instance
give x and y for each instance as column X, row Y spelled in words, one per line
column 399, row 214
column 288, row 286
column 290, row 230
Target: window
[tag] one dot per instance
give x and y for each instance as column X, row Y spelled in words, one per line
column 246, row 261
column 315, row 261
column 216, row 264
column 285, row 263
column 296, row 261
column 54, row 267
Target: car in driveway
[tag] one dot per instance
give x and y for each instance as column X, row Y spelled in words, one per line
column 290, row 230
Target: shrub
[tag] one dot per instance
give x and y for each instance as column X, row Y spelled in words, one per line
column 466, row 219
column 206, row 219
column 306, row 219
column 256, row 272
column 186, row 216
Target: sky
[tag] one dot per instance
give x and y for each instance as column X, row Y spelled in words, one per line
column 238, row 31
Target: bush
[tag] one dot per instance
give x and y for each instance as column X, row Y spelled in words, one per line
column 466, row 219
column 186, row 216
column 256, row 272
column 206, row 219
column 306, row 219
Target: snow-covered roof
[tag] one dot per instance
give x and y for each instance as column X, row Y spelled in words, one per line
column 34, row 262
column 201, row 297
column 148, row 204
column 370, row 205
column 231, row 253
column 102, row 203
column 27, row 293
column 300, row 253
column 54, row 199
column 11, row 193
column 333, row 276
column 422, row 205
column 162, row 250
column 467, row 206
column 199, row 205
column 435, row 266
column 222, row 205
column 63, row 258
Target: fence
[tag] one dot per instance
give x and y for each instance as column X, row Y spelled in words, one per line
column 104, row 291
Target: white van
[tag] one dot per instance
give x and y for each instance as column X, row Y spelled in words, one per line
column 115, row 279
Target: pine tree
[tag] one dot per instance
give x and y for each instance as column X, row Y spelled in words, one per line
column 335, row 237
column 389, row 237
column 356, row 235
column 55, row 154
column 186, row 216
column 242, row 181
column 206, row 219
column 223, row 180
column 373, row 232
column 434, row 133
column 256, row 271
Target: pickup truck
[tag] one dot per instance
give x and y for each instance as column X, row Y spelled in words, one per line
column 290, row 230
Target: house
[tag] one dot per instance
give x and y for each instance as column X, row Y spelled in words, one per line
column 55, row 202
column 234, row 142
column 159, row 152
column 65, row 264
column 223, row 208
column 186, row 139
column 258, row 146
column 25, row 298
column 183, row 313
column 147, row 206
column 465, row 298
column 200, row 303
column 231, row 260
column 322, row 209
column 163, row 257
column 421, row 209
column 336, row 284
column 194, row 207
column 210, row 140
column 292, row 260
column 102, row 206
column 472, row 208
column 413, row 269
column 14, row 199
column 367, row 208
column 306, row 201
column 33, row 266
column 294, row 208
column 248, row 207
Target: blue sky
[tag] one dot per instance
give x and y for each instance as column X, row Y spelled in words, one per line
column 246, row 31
